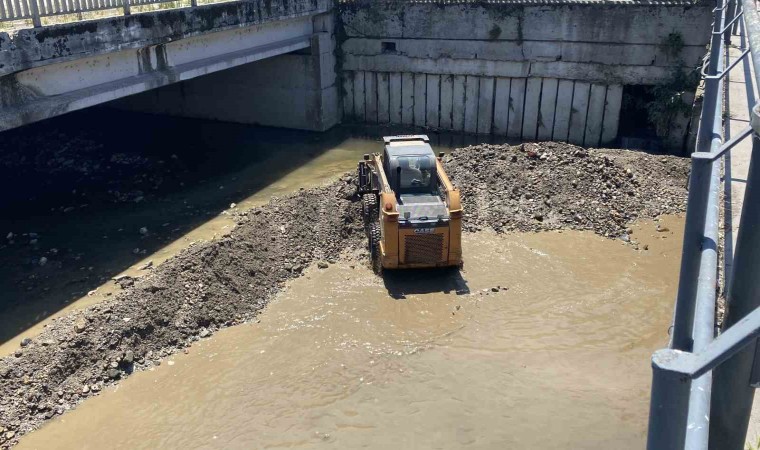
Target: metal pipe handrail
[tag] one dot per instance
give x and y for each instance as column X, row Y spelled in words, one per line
column 692, row 406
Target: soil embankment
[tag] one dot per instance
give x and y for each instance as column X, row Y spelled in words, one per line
column 532, row 187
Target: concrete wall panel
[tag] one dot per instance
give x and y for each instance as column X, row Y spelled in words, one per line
column 546, row 111
column 395, row 97
column 612, row 23
column 407, row 98
column 562, row 110
column 485, row 105
column 578, row 112
column 472, row 94
column 370, row 97
column 516, row 103
column 501, row 106
column 458, row 103
column 595, row 115
column 611, row 113
column 383, row 98
column 532, row 104
column 546, row 51
column 348, row 96
column 359, row 102
column 590, row 72
column 420, row 88
column 447, row 96
column 433, row 101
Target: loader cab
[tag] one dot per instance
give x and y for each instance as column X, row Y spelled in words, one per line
column 409, row 163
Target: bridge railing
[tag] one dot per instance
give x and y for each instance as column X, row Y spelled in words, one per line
column 15, row 10
column 702, row 385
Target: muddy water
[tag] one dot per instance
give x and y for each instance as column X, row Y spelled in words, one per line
column 344, row 359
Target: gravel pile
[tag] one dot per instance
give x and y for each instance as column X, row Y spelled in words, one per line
column 549, row 186
column 221, row 283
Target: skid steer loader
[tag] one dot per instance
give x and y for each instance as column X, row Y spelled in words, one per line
column 412, row 213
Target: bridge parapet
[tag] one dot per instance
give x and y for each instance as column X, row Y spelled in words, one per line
column 53, row 44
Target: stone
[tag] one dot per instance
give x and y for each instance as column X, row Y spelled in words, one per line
column 204, row 333
column 25, row 342
column 129, row 357
column 322, row 265
column 80, row 325
column 43, row 261
column 85, row 389
column 113, row 374
column 144, row 231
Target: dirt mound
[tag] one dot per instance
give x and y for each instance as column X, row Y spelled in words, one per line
column 225, row 282
column 547, row 186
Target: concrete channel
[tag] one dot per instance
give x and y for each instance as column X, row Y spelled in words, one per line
column 340, row 356
column 183, row 262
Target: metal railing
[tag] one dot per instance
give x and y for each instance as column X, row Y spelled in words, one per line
column 702, row 385
column 13, row 10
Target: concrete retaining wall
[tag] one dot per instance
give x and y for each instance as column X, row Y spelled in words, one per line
column 522, row 108
column 528, row 71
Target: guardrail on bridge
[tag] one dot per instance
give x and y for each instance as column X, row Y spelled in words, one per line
column 702, row 385
column 12, row 10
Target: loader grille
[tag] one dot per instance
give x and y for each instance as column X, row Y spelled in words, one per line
column 423, row 248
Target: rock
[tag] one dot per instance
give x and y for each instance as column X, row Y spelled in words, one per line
column 18, row 353
column 43, row 261
column 662, row 229
column 144, row 231
column 322, row 265
column 204, row 333
column 538, row 217
column 233, row 205
column 47, row 342
column 147, row 265
column 9, row 236
column 113, row 374
column 25, row 342
column 646, row 246
column 129, row 357
column 625, row 238
column 4, row 371
column 80, row 325
column 136, row 251
column 10, row 435
column 85, row 389
column 495, row 289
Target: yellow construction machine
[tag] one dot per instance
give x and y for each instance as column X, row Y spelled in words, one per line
column 412, row 213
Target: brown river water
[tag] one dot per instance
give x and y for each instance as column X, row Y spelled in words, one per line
column 345, row 359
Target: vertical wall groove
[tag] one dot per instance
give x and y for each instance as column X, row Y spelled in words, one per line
column 522, row 108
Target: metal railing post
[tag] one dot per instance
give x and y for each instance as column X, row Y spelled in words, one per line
column 733, row 394
column 125, row 4
column 35, row 11
column 668, row 408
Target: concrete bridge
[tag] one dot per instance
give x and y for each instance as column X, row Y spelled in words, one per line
column 48, row 71
column 528, row 70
